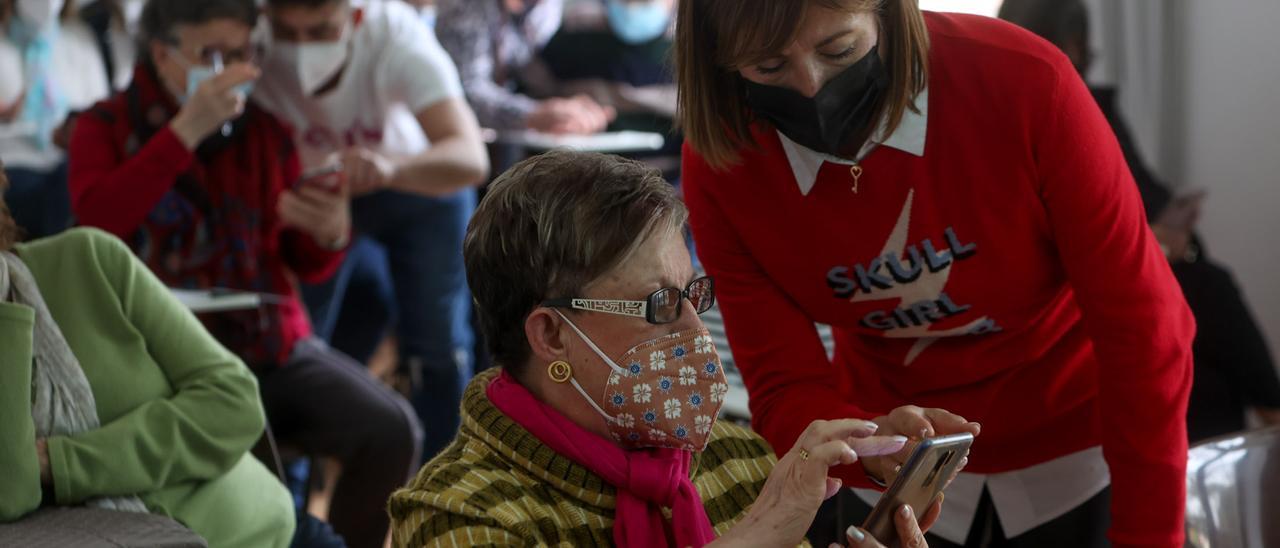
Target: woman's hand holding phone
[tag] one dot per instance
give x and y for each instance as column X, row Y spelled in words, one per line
column 915, row 423
column 910, row 531
column 800, row 481
column 319, row 205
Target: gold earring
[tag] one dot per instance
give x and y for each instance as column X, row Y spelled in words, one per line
column 560, row 371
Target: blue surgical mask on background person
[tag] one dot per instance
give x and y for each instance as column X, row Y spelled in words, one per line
column 428, row 15
column 638, row 22
column 197, row 74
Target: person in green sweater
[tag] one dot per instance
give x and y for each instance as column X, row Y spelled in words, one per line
column 113, row 395
column 600, row 426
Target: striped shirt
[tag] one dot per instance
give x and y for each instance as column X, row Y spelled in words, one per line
column 498, row 485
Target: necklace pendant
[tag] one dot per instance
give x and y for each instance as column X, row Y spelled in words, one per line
column 856, row 172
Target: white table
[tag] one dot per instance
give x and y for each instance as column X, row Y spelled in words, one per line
column 608, row 142
column 204, row 301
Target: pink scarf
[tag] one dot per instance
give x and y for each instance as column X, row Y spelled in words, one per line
column 646, row 480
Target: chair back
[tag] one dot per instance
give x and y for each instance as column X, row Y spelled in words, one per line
column 1233, row 491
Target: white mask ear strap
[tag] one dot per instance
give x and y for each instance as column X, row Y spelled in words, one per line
column 592, row 345
column 590, row 400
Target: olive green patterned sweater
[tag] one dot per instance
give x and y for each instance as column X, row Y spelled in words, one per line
column 498, row 485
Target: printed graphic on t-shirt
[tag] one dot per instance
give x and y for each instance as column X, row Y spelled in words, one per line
column 910, row 279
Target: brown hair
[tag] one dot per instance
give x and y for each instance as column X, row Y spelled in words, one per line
column 549, row 227
column 9, row 231
column 714, row 37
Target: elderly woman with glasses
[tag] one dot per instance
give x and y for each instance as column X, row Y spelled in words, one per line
column 599, row 428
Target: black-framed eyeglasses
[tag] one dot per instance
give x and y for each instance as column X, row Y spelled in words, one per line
column 662, row 306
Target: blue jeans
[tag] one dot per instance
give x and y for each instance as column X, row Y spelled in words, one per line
column 356, row 319
column 39, row 200
column 422, row 241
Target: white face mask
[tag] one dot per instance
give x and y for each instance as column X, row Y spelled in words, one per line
column 39, row 13
column 132, row 12
column 314, row 63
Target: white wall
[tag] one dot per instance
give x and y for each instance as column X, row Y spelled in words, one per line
column 1231, row 140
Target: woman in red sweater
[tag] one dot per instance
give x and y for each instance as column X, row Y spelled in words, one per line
column 943, row 191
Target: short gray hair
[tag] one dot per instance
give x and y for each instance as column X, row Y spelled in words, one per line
column 550, row 226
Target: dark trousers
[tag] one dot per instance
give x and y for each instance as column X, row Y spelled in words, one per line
column 1083, row 527
column 39, row 200
column 422, row 240
column 325, row 404
column 1233, row 366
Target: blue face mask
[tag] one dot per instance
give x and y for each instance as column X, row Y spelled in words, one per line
column 638, row 22
column 428, row 14
column 197, row 74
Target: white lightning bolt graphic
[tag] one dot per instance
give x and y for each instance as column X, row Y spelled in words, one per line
column 928, row 287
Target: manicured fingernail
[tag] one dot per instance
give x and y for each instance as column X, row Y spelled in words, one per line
column 906, row 511
column 855, row 534
column 899, row 439
column 850, row 454
column 873, row 426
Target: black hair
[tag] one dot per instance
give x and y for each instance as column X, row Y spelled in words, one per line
column 1059, row 21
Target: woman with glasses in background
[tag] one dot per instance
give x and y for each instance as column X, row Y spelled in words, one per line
column 603, row 412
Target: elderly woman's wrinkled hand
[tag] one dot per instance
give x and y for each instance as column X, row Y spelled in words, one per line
column 800, row 483
column 910, row 531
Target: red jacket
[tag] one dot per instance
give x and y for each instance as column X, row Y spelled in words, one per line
column 1022, row 288
column 200, row 220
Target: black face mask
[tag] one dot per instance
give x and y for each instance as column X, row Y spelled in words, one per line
column 828, row 120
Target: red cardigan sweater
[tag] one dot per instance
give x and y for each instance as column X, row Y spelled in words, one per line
column 201, row 220
column 1021, row 288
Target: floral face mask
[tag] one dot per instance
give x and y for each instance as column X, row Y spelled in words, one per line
column 665, row 392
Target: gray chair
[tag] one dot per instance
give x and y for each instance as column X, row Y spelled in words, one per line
column 1233, row 491
column 96, row 528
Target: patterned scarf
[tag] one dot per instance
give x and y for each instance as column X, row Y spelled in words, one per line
column 62, row 402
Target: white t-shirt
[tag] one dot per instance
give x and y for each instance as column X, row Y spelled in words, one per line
column 77, row 72
column 396, row 68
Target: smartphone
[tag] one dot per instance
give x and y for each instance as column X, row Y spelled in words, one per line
column 922, row 477
column 321, row 176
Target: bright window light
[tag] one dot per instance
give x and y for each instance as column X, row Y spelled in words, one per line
column 988, row 8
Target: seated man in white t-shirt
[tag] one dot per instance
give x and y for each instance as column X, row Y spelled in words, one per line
column 366, row 84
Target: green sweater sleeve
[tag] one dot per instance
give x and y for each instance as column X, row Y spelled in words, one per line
column 199, row 432
column 19, row 470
